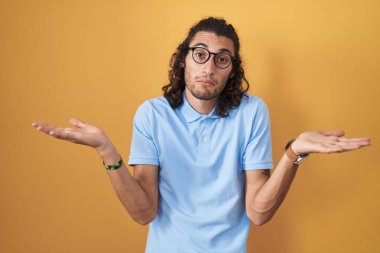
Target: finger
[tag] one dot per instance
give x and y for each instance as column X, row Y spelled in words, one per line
column 351, row 147
column 360, row 140
column 333, row 132
column 38, row 124
column 356, row 140
column 343, row 147
column 353, row 144
column 56, row 132
column 67, row 134
column 352, row 141
column 336, row 149
column 330, row 149
column 77, row 122
column 43, row 127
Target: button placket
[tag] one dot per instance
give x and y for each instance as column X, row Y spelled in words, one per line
column 203, row 138
column 203, row 130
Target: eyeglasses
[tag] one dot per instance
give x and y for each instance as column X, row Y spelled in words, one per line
column 201, row 55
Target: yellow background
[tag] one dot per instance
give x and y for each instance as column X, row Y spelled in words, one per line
column 315, row 63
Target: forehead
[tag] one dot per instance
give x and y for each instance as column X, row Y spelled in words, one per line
column 213, row 42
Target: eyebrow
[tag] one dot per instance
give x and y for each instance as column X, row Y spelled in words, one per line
column 221, row 50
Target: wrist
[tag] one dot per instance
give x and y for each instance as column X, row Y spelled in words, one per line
column 108, row 153
column 294, row 154
column 294, row 147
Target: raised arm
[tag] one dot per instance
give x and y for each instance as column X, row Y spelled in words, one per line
column 138, row 193
column 265, row 193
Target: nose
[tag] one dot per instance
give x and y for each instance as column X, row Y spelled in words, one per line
column 209, row 66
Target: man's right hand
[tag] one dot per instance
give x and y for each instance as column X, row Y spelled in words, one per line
column 83, row 133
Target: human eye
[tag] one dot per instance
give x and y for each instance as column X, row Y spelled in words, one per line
column 223, row 58
column 200, row 53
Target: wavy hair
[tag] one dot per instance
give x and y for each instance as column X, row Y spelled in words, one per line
column 234, row 90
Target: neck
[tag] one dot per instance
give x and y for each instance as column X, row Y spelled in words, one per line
column 201, row 106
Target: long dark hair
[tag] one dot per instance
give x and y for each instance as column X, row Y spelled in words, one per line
column 232, row 93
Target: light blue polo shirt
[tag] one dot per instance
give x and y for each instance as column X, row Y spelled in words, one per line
column 201, row 158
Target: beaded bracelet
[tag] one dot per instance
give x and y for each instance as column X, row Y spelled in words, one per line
column 114, row 166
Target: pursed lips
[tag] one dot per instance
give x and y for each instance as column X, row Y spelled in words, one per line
column 208, row 81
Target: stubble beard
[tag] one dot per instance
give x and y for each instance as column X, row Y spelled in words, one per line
column 200, row 92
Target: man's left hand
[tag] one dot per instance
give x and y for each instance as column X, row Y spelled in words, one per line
column 327, row 142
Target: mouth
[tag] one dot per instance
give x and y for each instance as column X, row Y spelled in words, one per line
column 206, row 82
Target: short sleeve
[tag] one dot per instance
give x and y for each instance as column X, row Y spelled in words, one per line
column 143, row 149
column 258, row 152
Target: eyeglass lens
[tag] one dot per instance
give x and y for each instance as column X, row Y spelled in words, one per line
column 201, row 55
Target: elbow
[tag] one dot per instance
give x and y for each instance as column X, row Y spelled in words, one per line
column 146, row 218
column 260, row 213
column 259, row 219
column 145, row 222
column 259, row 222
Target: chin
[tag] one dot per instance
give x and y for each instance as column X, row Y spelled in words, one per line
column 205, row 96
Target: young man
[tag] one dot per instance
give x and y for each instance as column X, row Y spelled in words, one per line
column 202, row 152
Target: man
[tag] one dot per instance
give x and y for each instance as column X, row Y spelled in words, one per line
column 202, row 152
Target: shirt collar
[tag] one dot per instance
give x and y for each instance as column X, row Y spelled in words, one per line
column 190, row 114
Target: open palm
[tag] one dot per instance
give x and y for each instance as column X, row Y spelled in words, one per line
column 83, row 133
column 327, row 142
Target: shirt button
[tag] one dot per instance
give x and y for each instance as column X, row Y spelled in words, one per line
column 203, row 138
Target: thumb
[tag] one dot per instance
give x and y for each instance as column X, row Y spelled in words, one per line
column 334, row 133
column 77, row 122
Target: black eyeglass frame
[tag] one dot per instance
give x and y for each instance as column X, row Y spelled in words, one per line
column 209, row 55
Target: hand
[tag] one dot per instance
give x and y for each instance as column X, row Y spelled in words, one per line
column 85, row 134
column 327, row 142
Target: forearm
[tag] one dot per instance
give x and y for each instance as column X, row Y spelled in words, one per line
column 130, row 192
column 273, row 192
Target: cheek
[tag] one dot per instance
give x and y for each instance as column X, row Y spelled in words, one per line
column 190, row 72
column 226, row 77
column 224, row 84
column 188, row 76
column 188, row 62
